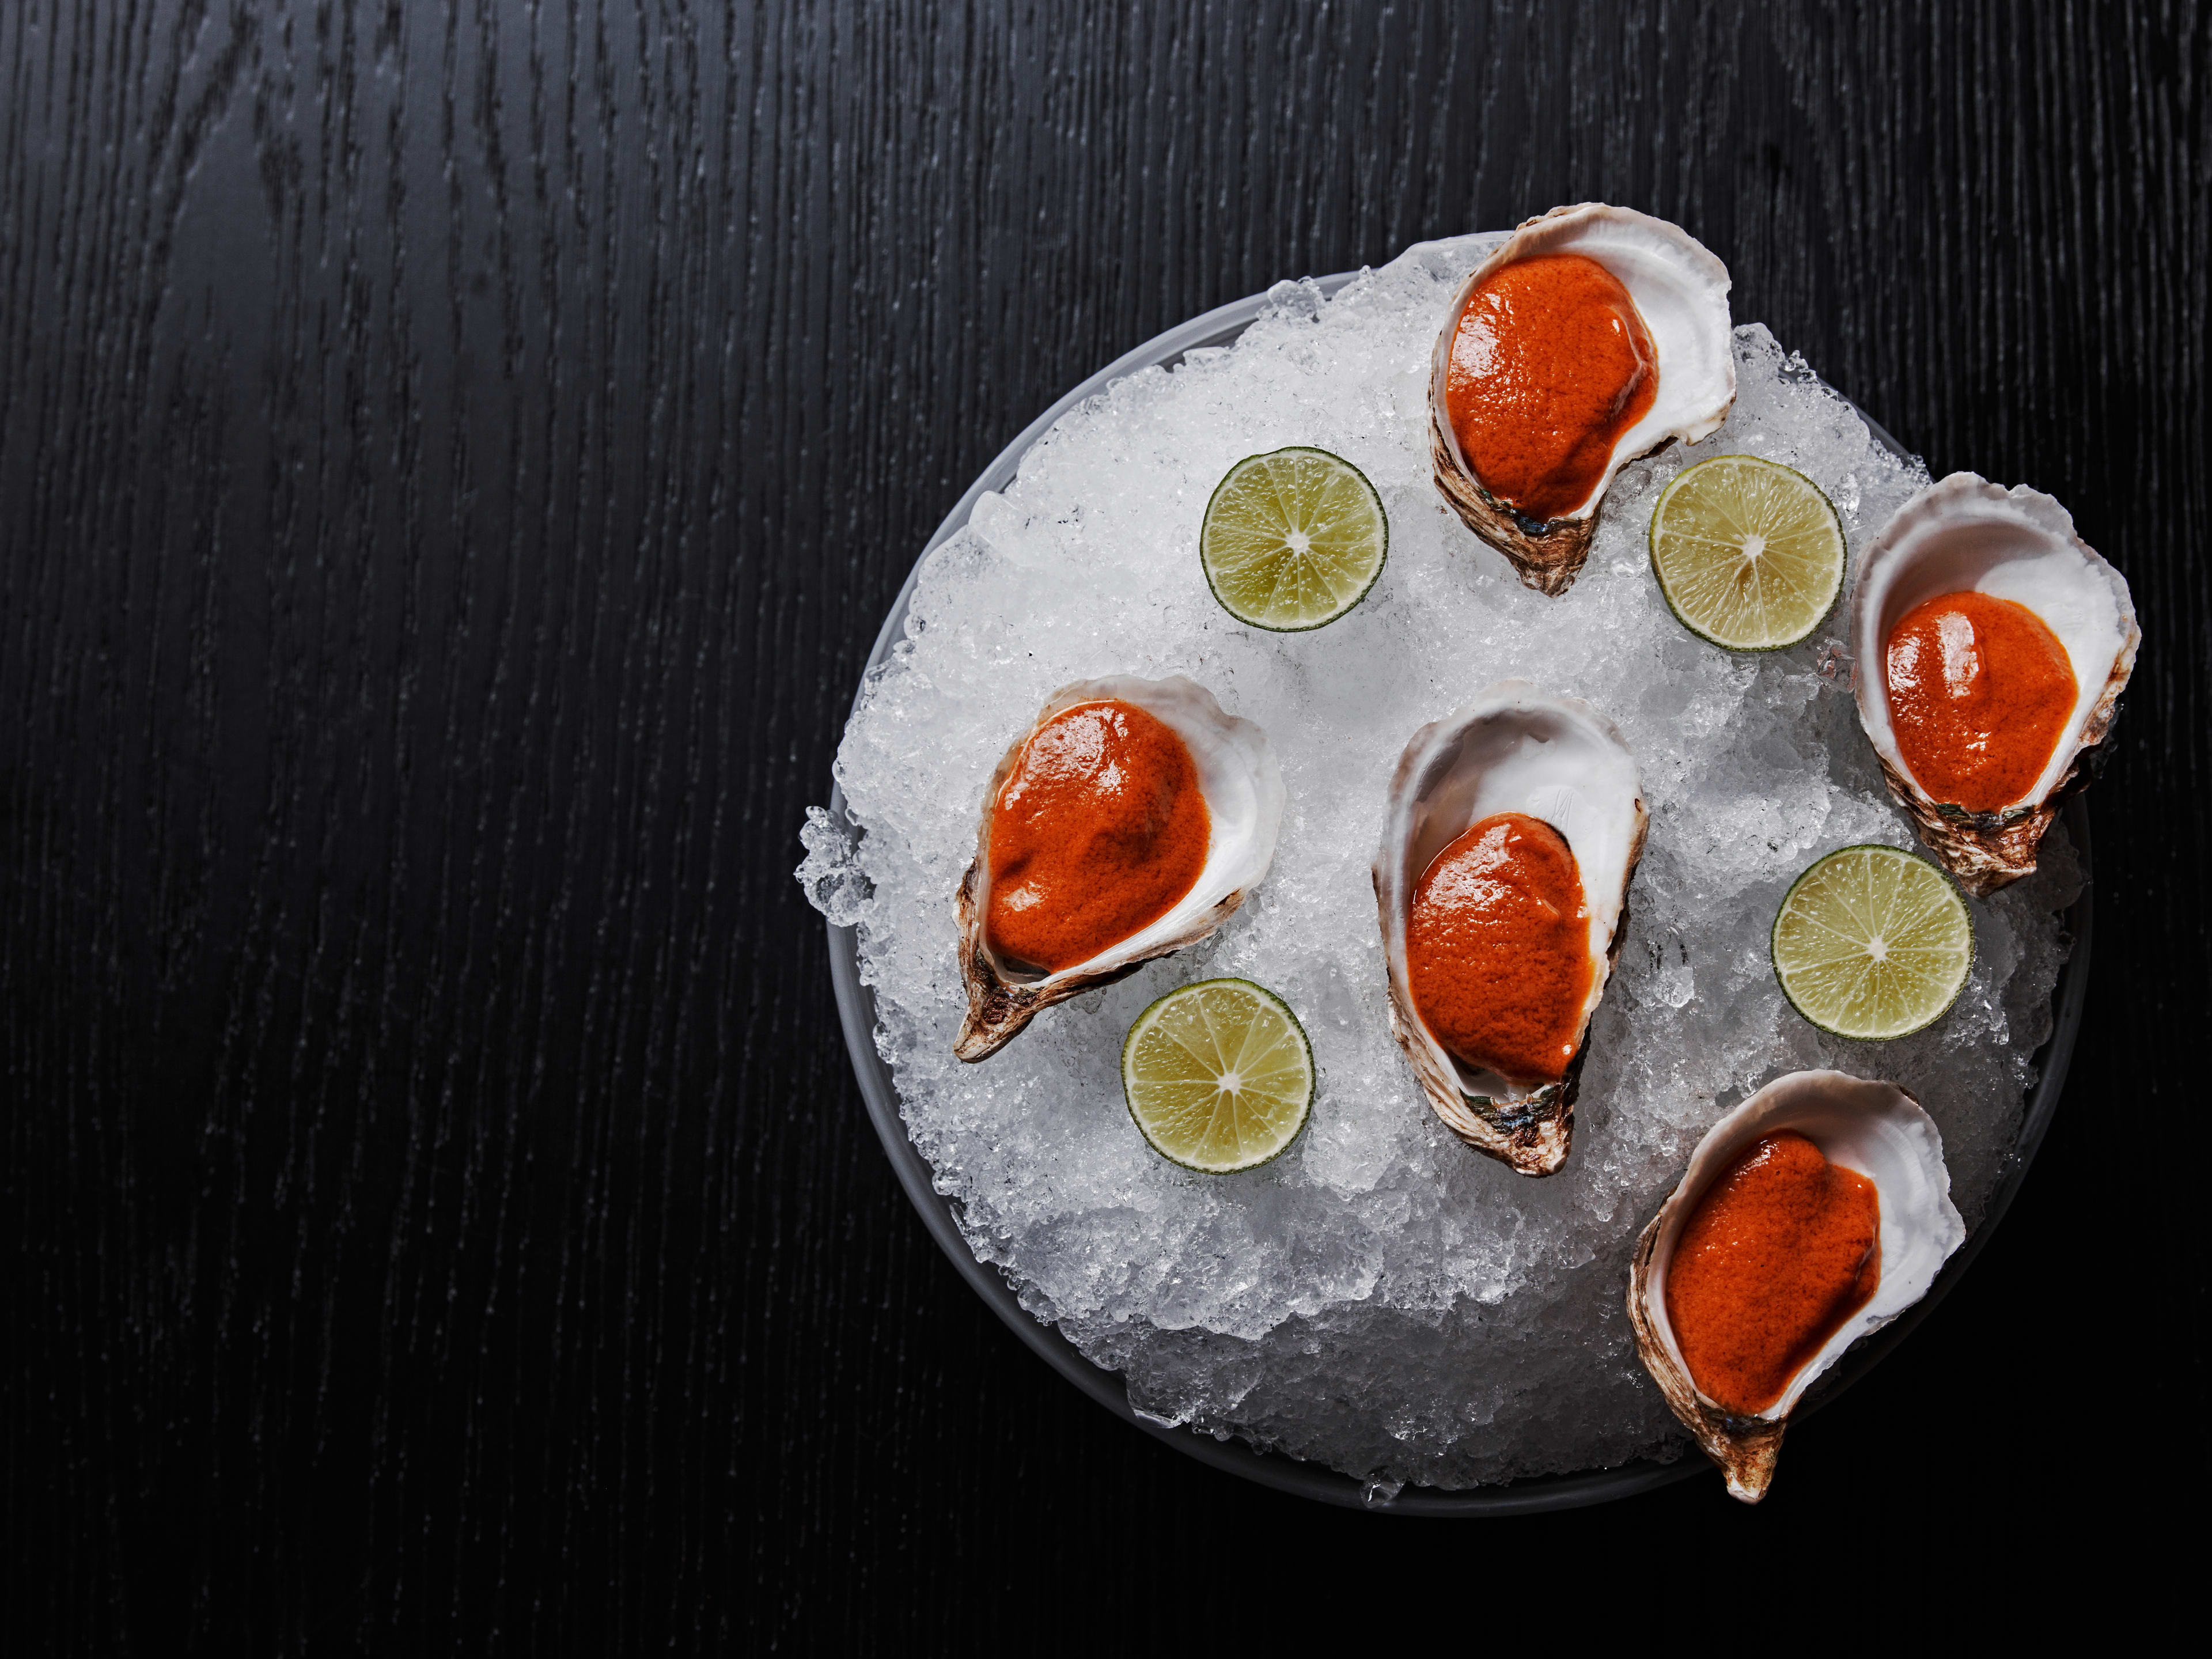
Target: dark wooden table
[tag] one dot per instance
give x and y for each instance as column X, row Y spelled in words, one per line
column 453, row 459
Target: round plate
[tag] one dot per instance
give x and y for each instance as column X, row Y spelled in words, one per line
column 856, row 1010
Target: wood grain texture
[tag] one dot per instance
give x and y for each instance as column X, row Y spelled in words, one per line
column 455, row 458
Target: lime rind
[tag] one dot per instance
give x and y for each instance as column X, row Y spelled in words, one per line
column 1251, row 568
column 1182, row 1050
column 1793, row 518
column 1818, row 945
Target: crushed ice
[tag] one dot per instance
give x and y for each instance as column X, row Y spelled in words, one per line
column 1381, row 1299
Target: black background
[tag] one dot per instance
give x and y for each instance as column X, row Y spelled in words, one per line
column 453, row 460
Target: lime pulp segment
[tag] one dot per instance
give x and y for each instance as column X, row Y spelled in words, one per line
column 1293, row 540
column 1873, row 942
column 1749, row 554
column 1218, row 1075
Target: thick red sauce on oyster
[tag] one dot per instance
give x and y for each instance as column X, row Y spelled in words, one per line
column 1497, row 948
column 1098, row 829
column 1979, row 694
column 1780, row 1251
column 1550, row 364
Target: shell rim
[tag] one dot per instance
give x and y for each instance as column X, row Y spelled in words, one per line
column 1651, row 548
column 1088, row 970
column 1541, row 1099
column 1535, row 1494
column 1683, row 1200
column 1313, row 1073
column 1381, row 514
column 1871, row 692
column 1571, row 215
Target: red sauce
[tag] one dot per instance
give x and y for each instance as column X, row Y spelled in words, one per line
column 1550, row 364
column 1099, row 829
column 1979, row 692
column 1780, row 1251
column 1497, row 948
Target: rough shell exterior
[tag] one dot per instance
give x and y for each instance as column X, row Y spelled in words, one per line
column 1974, row 527
column 1532, row 1135
column 1875, row 1129
column 1244, row 795
column 1989, row 850
column 1532, row 1130
column 1681, row 290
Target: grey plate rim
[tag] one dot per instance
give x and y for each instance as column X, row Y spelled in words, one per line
column 856, row 1012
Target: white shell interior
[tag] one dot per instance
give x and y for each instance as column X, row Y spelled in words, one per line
column 1515, row 749
column 1244, row 798
column 1964, row 534
column 1875, row 1129
column 1680, row 288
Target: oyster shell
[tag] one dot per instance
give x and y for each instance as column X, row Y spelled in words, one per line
column 1515, row 749
column 1877, row 1129
column 1681, row 290
column 1243, row 791
column 1964, row 533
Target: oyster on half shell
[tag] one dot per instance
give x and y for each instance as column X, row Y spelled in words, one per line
column 1515, row 749
column 1965, row 534
column 1682, row 291
column 1243, row 791
column 1877, row 1129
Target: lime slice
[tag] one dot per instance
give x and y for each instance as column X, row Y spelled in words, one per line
column 1749, row 554
column 1292, row 539
column 1873, row 942
column 1218, row 1075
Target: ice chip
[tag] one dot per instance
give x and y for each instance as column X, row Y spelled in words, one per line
column 830, row 874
